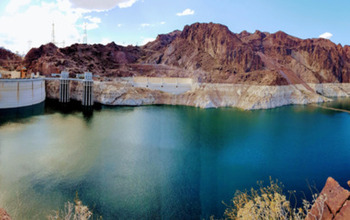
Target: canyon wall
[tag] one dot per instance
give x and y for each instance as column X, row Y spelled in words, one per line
column 207, row 53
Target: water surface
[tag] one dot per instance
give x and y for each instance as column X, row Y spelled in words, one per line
column 163, row 162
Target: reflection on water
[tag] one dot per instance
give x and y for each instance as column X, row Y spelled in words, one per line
column 20, row 114
column 340, row 103
column 161, row 162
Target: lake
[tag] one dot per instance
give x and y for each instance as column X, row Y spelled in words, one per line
column 163, row 162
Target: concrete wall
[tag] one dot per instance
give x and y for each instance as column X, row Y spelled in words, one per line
column 166, row 84
column 21, row 92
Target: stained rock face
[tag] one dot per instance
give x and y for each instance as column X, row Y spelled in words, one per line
column 208, row 53
column 333, row 203
column 4, row 215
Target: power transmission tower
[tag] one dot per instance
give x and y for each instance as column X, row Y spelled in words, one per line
column 85, row 35
column 53, row 33
column 29, row 45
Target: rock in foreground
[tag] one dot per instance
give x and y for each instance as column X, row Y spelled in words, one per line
column 332, row 203
column 4, row 215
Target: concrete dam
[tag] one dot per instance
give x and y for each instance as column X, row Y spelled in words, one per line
column 16, row 93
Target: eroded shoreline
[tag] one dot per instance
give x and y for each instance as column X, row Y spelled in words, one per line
column 206, row 95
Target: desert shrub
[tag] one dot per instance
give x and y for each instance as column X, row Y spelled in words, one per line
column 267, row 202
column 73, row 211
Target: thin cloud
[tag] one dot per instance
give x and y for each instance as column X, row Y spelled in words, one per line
column 186, row 12
column 145, row 25
column 102, row 5
column 93, row 23
column 326, row 35
column 93, row 19
column 105, row 41
column 146, row 40
column 163, row 22
column 126, row 4
column 70, row 17
column 65, row 18
column 14, row 5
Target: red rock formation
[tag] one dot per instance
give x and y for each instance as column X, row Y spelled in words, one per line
column 4, row 215
column 206, row 52
column 78, row 58
column 9, row 60
column 333, row 203
column 257, row 58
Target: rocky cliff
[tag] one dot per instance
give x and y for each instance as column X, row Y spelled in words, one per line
column 208, row 53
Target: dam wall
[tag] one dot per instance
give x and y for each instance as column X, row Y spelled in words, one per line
column 165, row 84
column 16, row 93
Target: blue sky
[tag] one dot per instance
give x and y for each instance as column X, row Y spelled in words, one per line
column 28, row 23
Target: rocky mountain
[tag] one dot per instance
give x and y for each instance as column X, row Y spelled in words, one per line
column 9, row 61
column 109, row 60
column 257, row 58
column 208, row 53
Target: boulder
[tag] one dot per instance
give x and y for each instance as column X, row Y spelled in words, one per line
column 335, row 195
column 344, row 212
column 4, row 215
column 332, row 203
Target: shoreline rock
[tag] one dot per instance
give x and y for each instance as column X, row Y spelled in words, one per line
column 4, row 215
column 332, row 203
column 208, row 95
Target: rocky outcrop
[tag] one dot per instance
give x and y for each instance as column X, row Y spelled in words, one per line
column 109, row 60
column 207, row 53
column 264, row 58
column 332, row 203
column 9, row 61
column 4, row 215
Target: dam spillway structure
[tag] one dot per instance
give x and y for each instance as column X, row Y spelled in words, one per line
column 88, row 98
column 64, row 88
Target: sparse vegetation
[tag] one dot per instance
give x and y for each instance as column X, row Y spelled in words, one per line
column 268, row 202
column 73, row 211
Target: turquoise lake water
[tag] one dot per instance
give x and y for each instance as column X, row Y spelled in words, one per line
column 163, row 162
